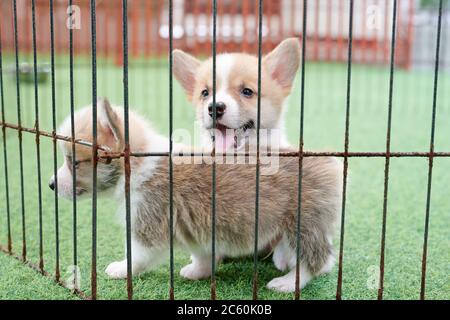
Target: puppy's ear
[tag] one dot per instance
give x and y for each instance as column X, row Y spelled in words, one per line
column 283, row 61
column 109, row 121
column 184, row 68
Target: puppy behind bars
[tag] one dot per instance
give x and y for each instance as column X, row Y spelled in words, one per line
column 192, row 191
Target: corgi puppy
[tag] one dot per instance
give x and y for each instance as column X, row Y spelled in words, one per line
column 237, row 94
column 192, row 191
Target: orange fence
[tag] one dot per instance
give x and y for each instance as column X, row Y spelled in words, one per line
column 237, row 27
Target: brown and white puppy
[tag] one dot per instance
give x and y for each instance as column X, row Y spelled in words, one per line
column 235, row 209
column 237, row 92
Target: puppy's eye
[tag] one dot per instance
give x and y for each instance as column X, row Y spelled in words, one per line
column 205, row 93
column 246, row 92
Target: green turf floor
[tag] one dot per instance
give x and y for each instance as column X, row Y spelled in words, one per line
column 325, row 102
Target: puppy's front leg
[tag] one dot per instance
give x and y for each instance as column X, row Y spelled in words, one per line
column 199, row 268
column 142, row 259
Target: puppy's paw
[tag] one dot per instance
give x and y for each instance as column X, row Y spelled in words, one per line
column 328, row 266
column 282, row 284
column 117, row 270
column 195, row 272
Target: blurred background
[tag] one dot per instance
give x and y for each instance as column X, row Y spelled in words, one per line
column 327, row 39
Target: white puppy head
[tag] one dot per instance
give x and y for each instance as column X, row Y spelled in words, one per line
column 237, row 89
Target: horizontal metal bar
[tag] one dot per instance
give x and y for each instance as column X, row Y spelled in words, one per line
column 361, row 154
column 116, row 155
column 51, row 135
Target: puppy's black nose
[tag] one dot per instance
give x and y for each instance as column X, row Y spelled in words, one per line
column 51, row 185
column 220, row 110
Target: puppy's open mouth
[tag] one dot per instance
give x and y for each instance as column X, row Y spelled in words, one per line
column 228, row 137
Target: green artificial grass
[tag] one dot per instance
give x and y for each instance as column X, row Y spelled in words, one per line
column 325, row 102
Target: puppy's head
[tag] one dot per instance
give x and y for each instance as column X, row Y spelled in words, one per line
column 237, row 89
column 109, row 134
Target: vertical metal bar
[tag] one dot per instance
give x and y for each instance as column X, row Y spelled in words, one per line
column 127, row 148
column 19, row 124
column 55, row 154
column 213, row 154
column 301, row 145
column 388, row 150
column 73, row 151
column 258, row 161
column 346, row 144
column 171, row 290
column 430, row 159
column 37, row 138
column 5, row 152
column 94, row 150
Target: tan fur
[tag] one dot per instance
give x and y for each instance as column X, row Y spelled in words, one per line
column 235, row 207
column 235, row 203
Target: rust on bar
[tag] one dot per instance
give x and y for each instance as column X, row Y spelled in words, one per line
column 346, row 151
column 388, row 151
column 127, row 168
column 430, row 160
column 51, row 135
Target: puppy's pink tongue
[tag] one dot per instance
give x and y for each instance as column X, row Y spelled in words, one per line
column 224, row 140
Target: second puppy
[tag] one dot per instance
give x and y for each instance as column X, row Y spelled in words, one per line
column 235, row 205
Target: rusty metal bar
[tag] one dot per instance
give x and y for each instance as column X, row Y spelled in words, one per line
column 94, row 148
column 73, row 150
column 388, row 150
column 171, row 242
column 301, row 153
column 350, row 154
column 258, row 160
column 19, row 131
column 430, row 161
column 213, row 154
column 107, row 154
column 50, row 135
column 38, row 148
column 346, row 145
column 127, row 148
column 5, row 153
column 55, row 154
